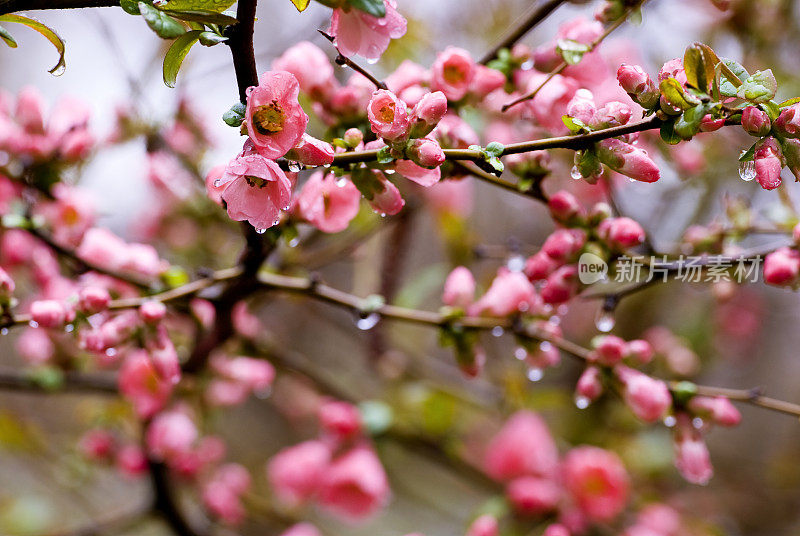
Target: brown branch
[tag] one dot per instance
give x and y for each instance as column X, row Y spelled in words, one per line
column 538, row 14
column 341, row 59
column 10, row 6
column 72, row 382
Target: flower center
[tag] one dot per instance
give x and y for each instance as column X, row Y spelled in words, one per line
column 386, row 113
column 255, row 182
column 452, row 74
column 268, row 118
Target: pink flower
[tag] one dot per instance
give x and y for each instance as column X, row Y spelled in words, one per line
column 355, row 485
column 755, row 121
column 171, row 433
column 608, row 349
column 523, row 447
column 422, row 176
column 589, row 386
column 295, row 473
column 768, row 162
column 328, row 203
column 164, row 356
column 453, row 72
column 563, row 244
column 486, row 80
column 256, row 375
column 407, row 74
column 302, row 529
column 214, row 187
column 453, row 197
column 131, row 460
column 388, row 201
column 311, row 152
column 309, row 64
column 142, row 386
column 359, row 33
column 718, row 409
column 597, row 482
column 691, row 453
column 425, row 152
column 97, row 444
column 459, row 288
column 51, row 313
column 485, row 525
column 341, row 420
column 222, row 493
column 782, row 266
column 628, row 159
column 93, row 299
column 621, row 233
column 533, row 496
column 104, row 248
column 564, row 207
column 561, row 285
column 648, row 398
column 274, row 118
column 540, row 265
column 35, row 346
column 256, row 190
column 388, row 116
column 510, row 292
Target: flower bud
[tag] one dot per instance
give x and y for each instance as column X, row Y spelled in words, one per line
column 621, row 233
column 51, row 313
column 787, row 124
column 608, row 349
column 638, row 84
column 563, row 244
column 540, row 265
column 353, row 137
column 561, row 285
column 691, row 453
column 459, row 288
column 564, row 207
column 311, row 151
column 92, row 300
column 628, row 159
column 769, row 163
column 590, row 385
column 152, row 311
column 648, row 398
column 341, row 420
column 710, row 124
column 640, row 351
column 425, row 152
column 427, row 113
column 718, row 409
column 755, row 121
column 781, row 267
column 533, row 496
column 485, row 525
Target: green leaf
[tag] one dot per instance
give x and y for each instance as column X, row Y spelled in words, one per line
column 216, row 6
column 385, row 155
column 668, row 133
column 699, row 66
column 5, row 36
column 673, row 92
column 130, row 6
column 175, row 55
column 748, row 154
column 571, row 51
column 45, row 31
column 209, row 39
column 772, row 109
column 175, row 276
column 789, row 102
column 162, row 24
column 759, row 87
column 203, row 16
column 301, row 5
column 732, row 74
column 376, row 8
column 235, row 116
column 574, row 125
column 689, row 123
column 495, row 148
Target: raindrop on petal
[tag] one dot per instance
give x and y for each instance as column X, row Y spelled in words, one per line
column 747, row 170
column 669, row 421
column 520, row 353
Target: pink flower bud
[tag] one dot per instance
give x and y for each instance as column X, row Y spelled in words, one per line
column 540, row 266
column 341, row 420
column 640, row 350
column 142, row 386
column 597, row 482
column 353, row 137
column 311, row 152
column 389, row 201
column 295, row 472
column 609, row 349
column 533, row 496
column 613, row 114
column 97, row 444
column 425, row 152
column 647, row 397
column 781, row 267
column 638, row 84
column 581, row 106
column 485, row 525
column 355, row 485
column 691, row 453
column 719, row 409
column 621, row 233
column 563, row 244
column 564, row 207
column 302, row 529
column 628, row 159
column 589, row 386
column 710, row 124
column 523, row 447
column 92, row 300
column 51, row 313
column 6, row 285
column 170, row 433
column 788, row 122
column 510, row 292
column 388, row 116
column 768, row 162
column 561, row 285
column 556, row 529
column 131, row 461
column 755, row 121
column 152, row 311
column 427, row 113
column 459, row 288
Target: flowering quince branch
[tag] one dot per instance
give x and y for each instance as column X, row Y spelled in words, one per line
column 341, row 59
column 538, row 15
column 10, row 6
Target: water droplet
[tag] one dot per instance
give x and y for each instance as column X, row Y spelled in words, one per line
column 260, row 230
column 575, row 173
column 59, row 70
column 326, row 166
column 581, row 402
column 605, row 321
column 535, row 374
column 372, row 61
column 389, row 171
column 262, row 393
column 747, row 170
column 294, row 167
column 368, row 322
column 3, row 331
column 33, row 324
column 516, row 263
column 382, row 214
column 556, row 320
column 111, row 352
column 293, row 243
column 497, row 331
column 545, row 346
column 563, row 309
column 520, row 353
column 698, row 423
column 69, row 328
column 631, row 180
column 669, row 421
column 341, row 183
column 217, row 183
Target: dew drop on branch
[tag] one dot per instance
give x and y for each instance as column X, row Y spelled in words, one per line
column 497, row 331
column 535, row 374
column 575, row 173
column 747, row 170
column 368, row 322
column 581, row 402
column 604, row 321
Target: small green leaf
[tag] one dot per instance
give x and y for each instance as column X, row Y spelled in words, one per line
column 748, row 155
column 576, row 126
column 772, row 109
column 235, row 116
column 571, row 51
column 301, row 5
column 684, row 391
column 175, row 55
column 668, row 133
column 688, row 124
column 385, row 155
column 130, row 6
column 376, row 8
column 5, row 36
column 673, row 92
column 496, row 163
column 759, row 87
column 789, row 102
column 731, row 75
column 216, row 6
column 495, row 149
column 372, row 303
column 162, row 24
column 45, row 31
column 175, row 276
column 699, row 67
column 203, row 16
column 209, row 39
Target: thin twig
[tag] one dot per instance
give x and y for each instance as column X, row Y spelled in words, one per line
column 538, row 14
column 341, row 59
